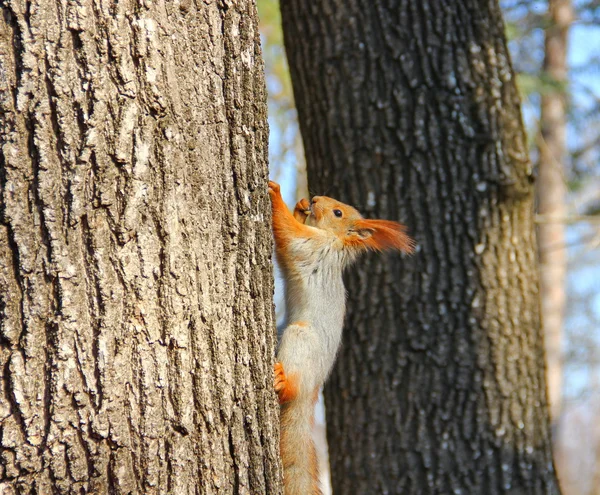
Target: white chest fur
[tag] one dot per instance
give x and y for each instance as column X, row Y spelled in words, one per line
column 315, row 304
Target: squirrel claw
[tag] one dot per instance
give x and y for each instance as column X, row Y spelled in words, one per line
column 280, row 377
column 284, row 386
column 302, row 210
column 274, row 188
column 303, row 205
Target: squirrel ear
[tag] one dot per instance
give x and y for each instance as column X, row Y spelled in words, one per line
column 364, row 233
column 380, row 235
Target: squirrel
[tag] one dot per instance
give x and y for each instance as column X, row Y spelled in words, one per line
column 313, row 246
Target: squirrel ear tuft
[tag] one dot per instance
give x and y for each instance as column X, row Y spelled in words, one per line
column 380, row 235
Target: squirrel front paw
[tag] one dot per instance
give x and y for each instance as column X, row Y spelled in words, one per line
column 285, row 386
column 302, row 210
column 274, row 189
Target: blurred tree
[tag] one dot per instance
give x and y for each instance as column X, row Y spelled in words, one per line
column 528, row 24
column 551, row 192
column 285, row 144
column 559, row 81
column 409, row 110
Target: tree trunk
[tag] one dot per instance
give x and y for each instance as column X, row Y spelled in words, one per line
column 136, row 318
column 409, row 111
column 551, row 192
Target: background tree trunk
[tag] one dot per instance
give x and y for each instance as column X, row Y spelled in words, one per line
column 136, row 318
column 408, row 110
column 551, row 191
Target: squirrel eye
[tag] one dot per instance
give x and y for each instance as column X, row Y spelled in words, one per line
column 337, row 213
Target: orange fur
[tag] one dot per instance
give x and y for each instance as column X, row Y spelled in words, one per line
column 285, row 227
column 314, row 244
column 384, row 234
column 285, row 386
column 298, row 453
column 355, row 232
column 301, row 209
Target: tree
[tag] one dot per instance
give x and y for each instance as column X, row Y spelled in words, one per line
column 409, row 111
column 554, row 61
column 136, row 316
column 551, row 193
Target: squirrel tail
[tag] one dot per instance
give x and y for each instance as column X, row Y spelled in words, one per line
column 300, row 470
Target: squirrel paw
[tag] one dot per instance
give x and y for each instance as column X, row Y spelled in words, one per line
column 285, row 386
column 274, row 188
column 302, row 210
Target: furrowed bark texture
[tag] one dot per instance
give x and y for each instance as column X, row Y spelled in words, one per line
column 409, row 110
column 136, row 330
column 551, row 195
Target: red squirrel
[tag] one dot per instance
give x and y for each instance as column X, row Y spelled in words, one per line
column 313, row 246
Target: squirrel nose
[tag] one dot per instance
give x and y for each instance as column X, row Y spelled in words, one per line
column 315, row 199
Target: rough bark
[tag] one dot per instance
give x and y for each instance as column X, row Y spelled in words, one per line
column 551, row 192
column 409, row 110
column 136, row 322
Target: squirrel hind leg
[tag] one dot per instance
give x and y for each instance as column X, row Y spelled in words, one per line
column 286, row 386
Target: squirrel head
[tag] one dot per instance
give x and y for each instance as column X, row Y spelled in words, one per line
column 357, row 233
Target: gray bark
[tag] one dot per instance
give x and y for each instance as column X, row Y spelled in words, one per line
column 136, row 318
column 409, row 111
